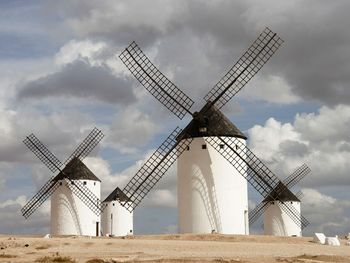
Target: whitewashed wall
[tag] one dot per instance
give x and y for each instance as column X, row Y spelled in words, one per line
column 279, row 223
column 116, row 220
column 69, row 215
column 212, row 195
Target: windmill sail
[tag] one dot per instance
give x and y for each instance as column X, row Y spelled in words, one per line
column 154, row 169
column 41, row 151
column 245, row 68
column 53, row 163
column 257, row 174
column 155, row 82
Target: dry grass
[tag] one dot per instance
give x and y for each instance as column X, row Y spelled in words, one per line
column 314, row 259
column 55, row 259
column 165, row 260
column 324, row 258
column 42, row 247
column 98, row 260
column 7, row 256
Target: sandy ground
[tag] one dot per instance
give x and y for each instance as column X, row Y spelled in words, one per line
column 169, row 248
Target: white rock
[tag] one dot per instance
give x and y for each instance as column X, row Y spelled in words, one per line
column 332, row 241
column 47, row 236
column 319, row 238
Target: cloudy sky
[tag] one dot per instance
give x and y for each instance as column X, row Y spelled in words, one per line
column 60, row 76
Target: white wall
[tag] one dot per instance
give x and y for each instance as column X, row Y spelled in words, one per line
column 116, row 220
column 212, row 195
column 69, row 215
column 279, row 223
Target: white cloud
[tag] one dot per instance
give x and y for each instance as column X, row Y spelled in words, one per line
column 75, row 49
column 161, row 198
column 329, row 125
column 325, row 213
column 109, row 181
column 272, row 89
column 14, row 223
column 21, row 200
column 131, row 129
column 315, row 139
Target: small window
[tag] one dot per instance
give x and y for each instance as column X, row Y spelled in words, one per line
column 60, row 183
column 237, row 147
column 291, row 202
column 94, row 183
column 188, row 148
column 222, row 146
column 113, row 204
column 273, row 203
column 84, row 183
column 204, row 146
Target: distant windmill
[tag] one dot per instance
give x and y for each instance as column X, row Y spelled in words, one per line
column 116, row 220
column 211, row 195
column 75, row 201
column 276, row 221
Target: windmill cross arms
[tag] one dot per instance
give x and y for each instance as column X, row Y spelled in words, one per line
column 294, row 214
column 155, row 82
column 296, row 176
column 41, row 151
column 257, row 212
column 39, row 198
column 289, row 182
column 89, row 143
column 300, row 195
column 154, row 169
column 246, row 163
column 245, row 68
column 254, row 170
column 86, row 196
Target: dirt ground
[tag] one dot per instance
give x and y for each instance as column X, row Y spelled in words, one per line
column 169, row 248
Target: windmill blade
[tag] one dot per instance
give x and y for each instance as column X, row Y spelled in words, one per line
column 89, row 143
column 41, row 151
column 86, row 196
column 298, row 218
column 253, row 169
column 39, row 198
column 245, row 68
column 246, row 163
column 155, row 82
column 257, row 212
column 299, row 195
column 296, row 176
column 154, row 169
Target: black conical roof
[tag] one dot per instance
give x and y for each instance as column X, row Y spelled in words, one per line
column 281, row 193
column 76, row 170
column 117, row 194
column 214, row 123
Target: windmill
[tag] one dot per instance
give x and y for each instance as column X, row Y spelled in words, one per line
column 116, row 220
column 74, row 191
column 276, row 221
column 211, row 149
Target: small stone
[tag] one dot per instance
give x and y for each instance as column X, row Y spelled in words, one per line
column 26, row 245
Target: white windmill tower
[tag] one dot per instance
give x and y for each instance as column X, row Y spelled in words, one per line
column 75, row 191
column 116, row 219
column 206, row 181
column 211, row 150
column 278, row 222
